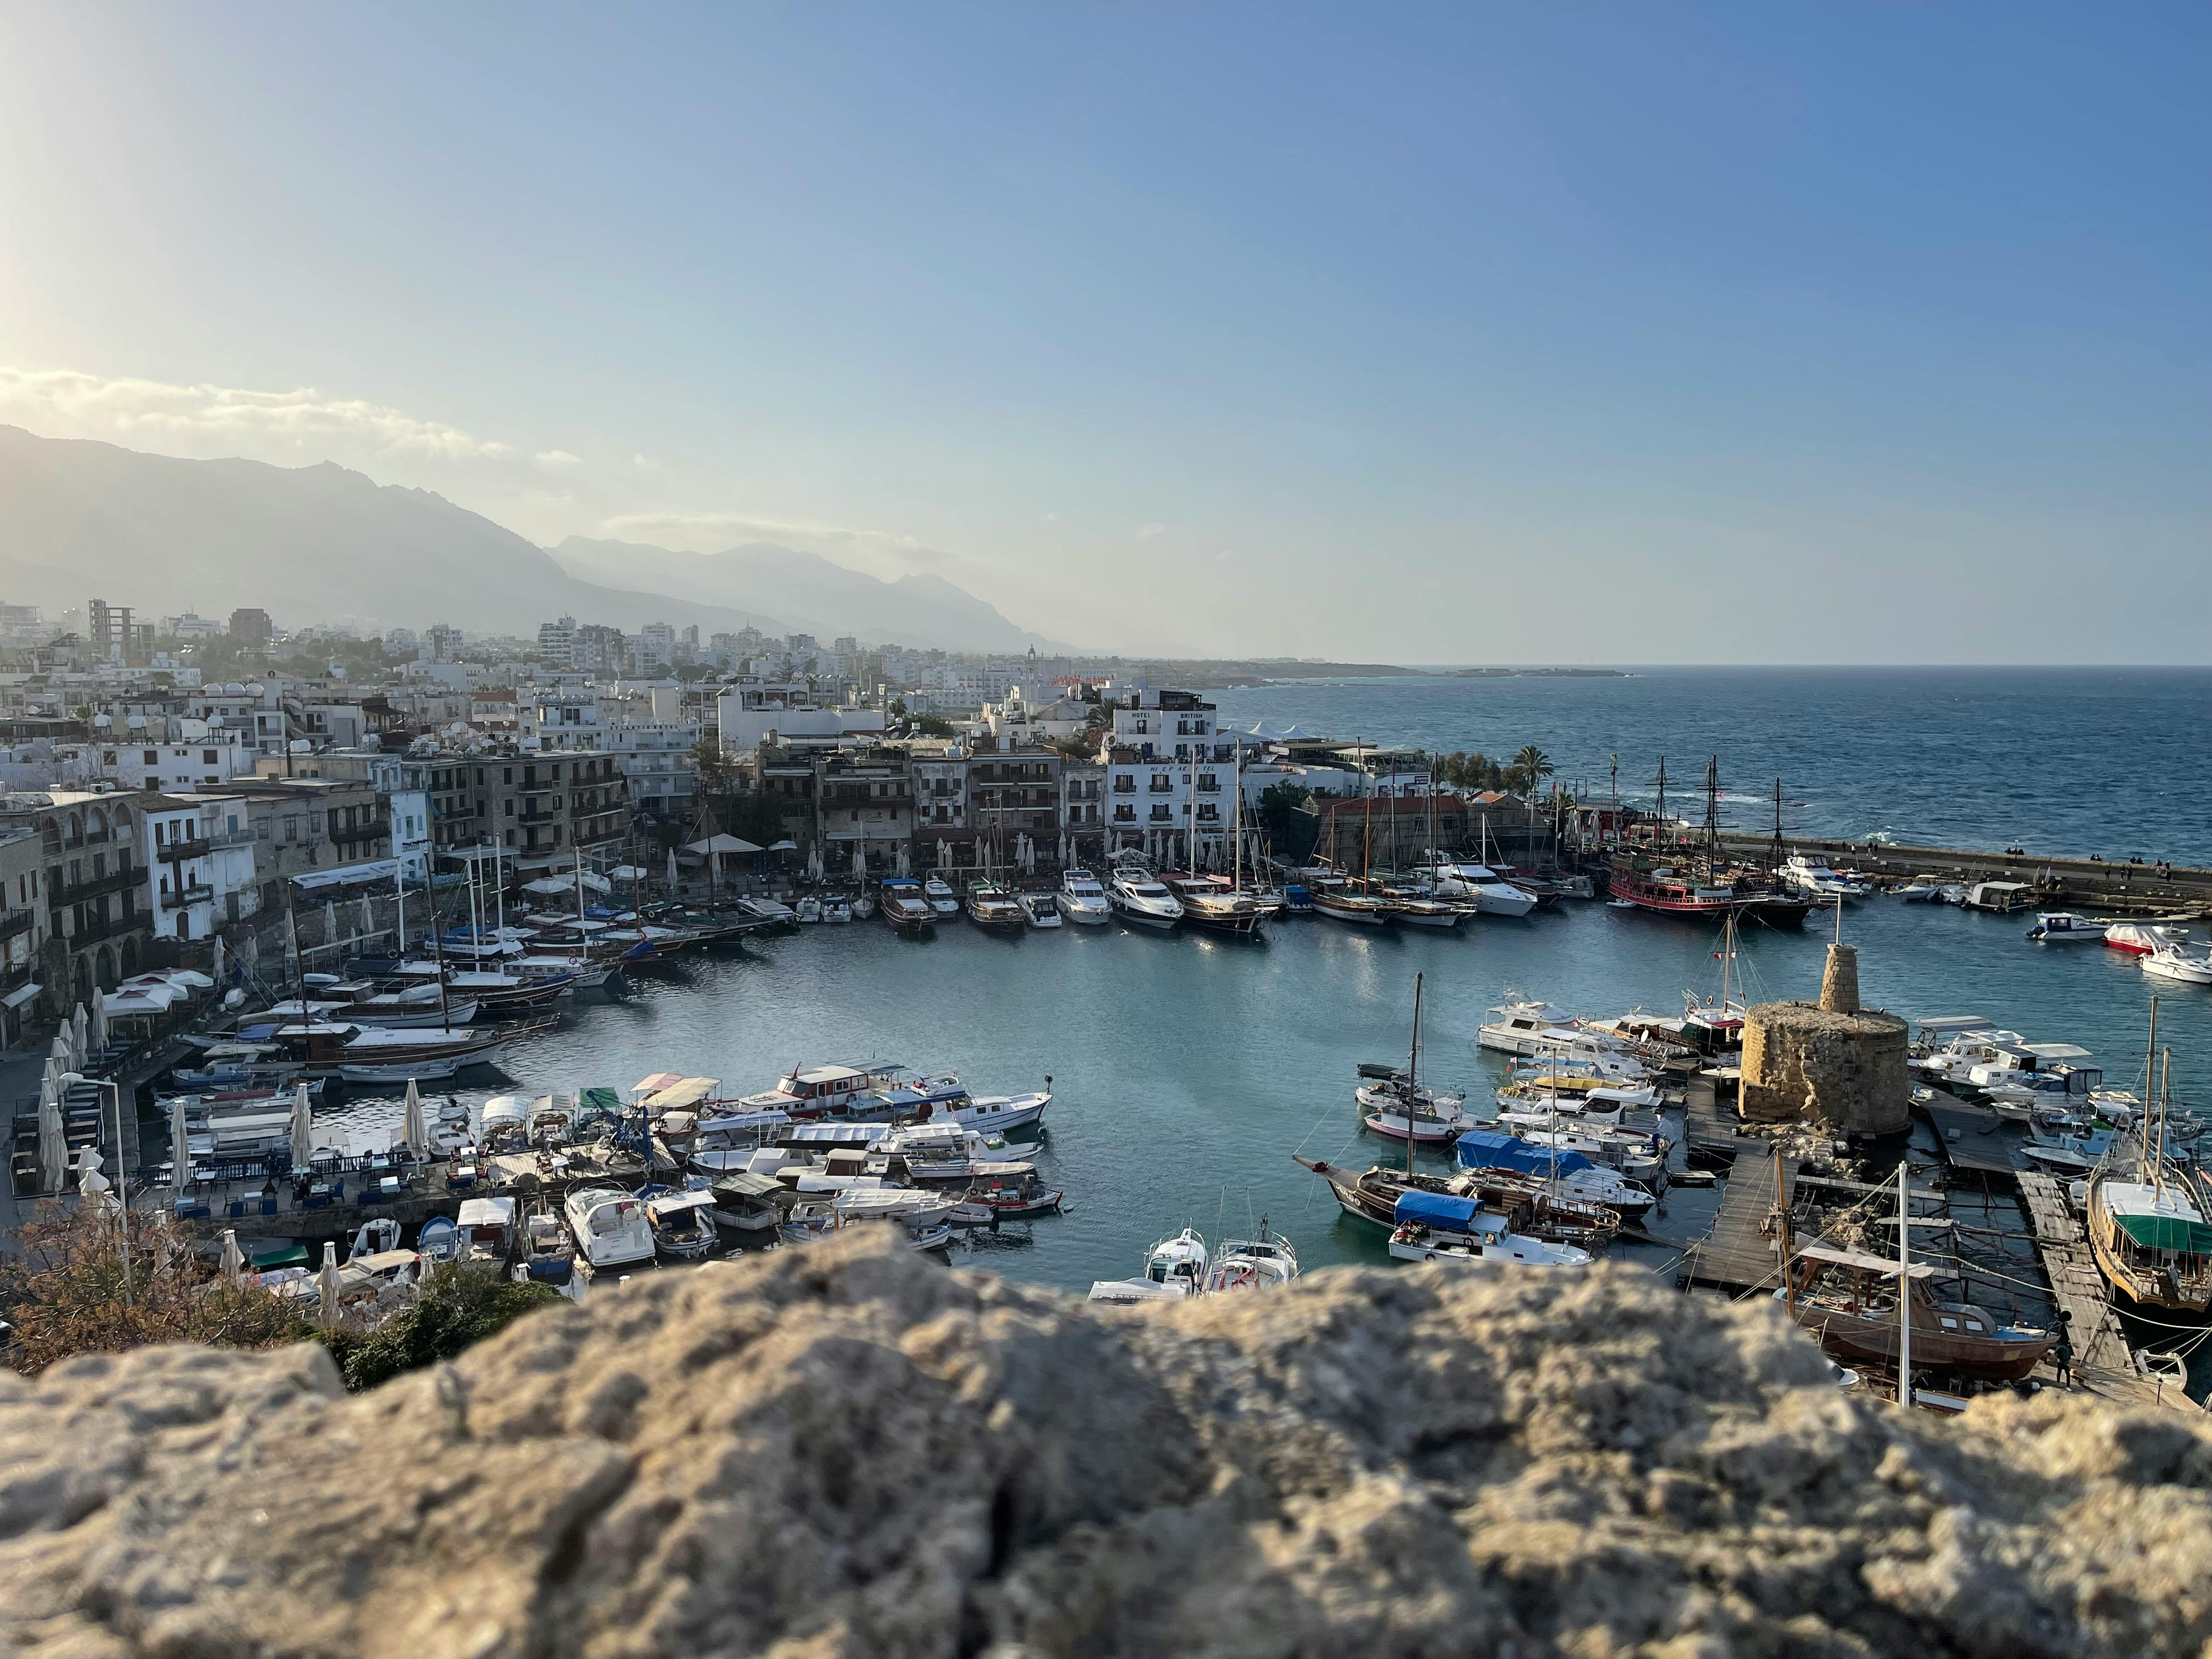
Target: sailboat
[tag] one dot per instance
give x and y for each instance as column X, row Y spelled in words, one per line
column 1401, row 1108
column 2148, row 1228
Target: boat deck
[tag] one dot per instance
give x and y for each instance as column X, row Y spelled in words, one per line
column 1738, row 1254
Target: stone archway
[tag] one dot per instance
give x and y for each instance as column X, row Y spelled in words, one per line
column 130, row 964
column 103, row 968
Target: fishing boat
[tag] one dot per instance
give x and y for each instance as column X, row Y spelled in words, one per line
column 904, row 909
column 1418, row 908
column 992, row 904
column 2149, row 1225
column 942, row 899
column 682, row 1227
column 1258, row 1263
column 2065, row 928
column 2138, row 937
column 1013, row 1191
column 1175, row 1269
column 747, row 1201
column 1521, row 1027
column 1681, row 889
column 1847, row 1301
column 1041, row 910
column 609, row 1226
column 549, row 1254
column 808, row 909
column 911, row 1097
column 1465, row 1232
column 1083, row 900
column 923, row 1152
column 1396, row 1106
column 1139, row 898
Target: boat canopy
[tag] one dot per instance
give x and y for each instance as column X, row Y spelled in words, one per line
column 1445, row 1209
column 681, row 1095
column 486, row 1212
column 2168, row 1232
column 1860, row 1262
column 1488, row 1149
column 748, row 1184
column 671, row 1203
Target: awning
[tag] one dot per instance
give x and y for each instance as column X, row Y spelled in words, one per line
column 1487, row 1149
column 2167, row 1232
column 23, row 994
column 381, row 870
column 669, row 1203
column 722, row 843
column 678, row 1096
column 1445, row 1209
column 1859, row 1260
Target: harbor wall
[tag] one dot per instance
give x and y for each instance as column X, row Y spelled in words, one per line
column 844, row 1449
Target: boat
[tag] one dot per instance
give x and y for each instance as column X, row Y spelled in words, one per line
column 768, row 911
column 2065, row 928
column 1563, row 1175
column 1847, row 1301
column 747, row 1201
column 609, row 1226
column 1396, row 1107
column 1490, row 893
column 1689, row 889
column 913, row 1098
column 904, row 909
column 942, row 899
column 1041, row 909
column 1362, row 909
column 1808, row 873
column 2171, row 963
column 836, row 908
column 1083, row 900
column 992, row 904
column 1465, row 1232
column 1175, row 1269
column 915, row 1153
column 810, row 1092
column 1922, row 889
column 1139, row 898
column 1522, row 1027
column 2151, row 1237
column 863, row 907
column 1417, row 907
column 1214, row 903
column 808, row 909
column 361, row 1053
column 1258, row 1263
column 549, row 1254
column 2139, row 938
column 682, row 1225
column 1012, row 1191
column 2000, row 896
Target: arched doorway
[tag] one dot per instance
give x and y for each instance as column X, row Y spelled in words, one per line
column 103, row 968
column 82, row 980
column 184, row 925
column 130, row 957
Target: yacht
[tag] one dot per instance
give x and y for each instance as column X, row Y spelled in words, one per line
column 610, row 1225
column 2064, row 927
column 2172, row 964
column 942, row 899
column 1809, row 874
column 1523, row 1027
column 1340, row 903
column 682, row 1225
column 904, row 909
column 1211, row 902
column 1041, row 909
column 1464, row 1232
column 911, row 1097
column 1175, row 1268
column 1490, row 893
column 1419, row 908
column 836, row 908
column 1399, row 1110
column 1922, row 889
column 1082, row 899
column 1138, row 898
column 1254, row 1264
column 992, row 904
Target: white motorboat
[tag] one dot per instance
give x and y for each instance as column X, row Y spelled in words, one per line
column 808, row 908
column 610, row 1226
column 904, row 908
column 1921, row 890
column 1082, row 899
column 2138, row 937
column 767, row 910
column 2176, row 966
column 1523, row 1027
column 942, row 899
column 1490, row 893
column 2064, row 927
column 1808, row 873
column 1417, row 907
column 1437, row 1116
column 1447, row 1227
column 1140, row 898
column 1175, row 1269
column 1254, row 1264
column 682, row 1225
column 1041, row 909
column 837, row 908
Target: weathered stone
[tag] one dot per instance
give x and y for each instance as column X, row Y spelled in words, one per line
column 845, row 1451
column 1843, row 1069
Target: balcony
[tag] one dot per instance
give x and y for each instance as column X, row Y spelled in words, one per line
column 1161, row 786
column 232, row 838
column 197, row 893
column 176, row 852
column 134, row 922
column 115, row 881
column 16, row 921
column 359, row 833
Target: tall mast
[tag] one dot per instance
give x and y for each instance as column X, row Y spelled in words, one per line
column 1413, row 1074
column 2150, row 1079
column 1713, row 810
column 1778, row 824
column 1237, row 820
column 400, row 888
column 2165, row 1102
column 1904, row 1287
column 1663, row 798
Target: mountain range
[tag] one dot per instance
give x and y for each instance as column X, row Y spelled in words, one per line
column 322, row 544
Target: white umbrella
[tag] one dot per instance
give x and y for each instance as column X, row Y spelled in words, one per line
column 671, row 867
column 898, row 855
column 233, row 1258
column 859, row 861
column 218, row 962
column 63, row 1060
column 330, row 923
column 303, row 1129
column 326, row 1284
column 367, row 921
column 100, row 1013
column 53, row 1144
column 411, row 1130
column 81, row 1031
column 180, row 1153
column 944, row 853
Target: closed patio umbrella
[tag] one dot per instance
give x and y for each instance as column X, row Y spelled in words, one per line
column 99, row 1038
column 411, row 1129
column 63, row 1060
column 81, row 1032
column 220, row 963
column 326, row 1284
column 330, row 923
column 53, row 1146
column 181, row 1154
column 367, row 921
column 859, row 861
column 671, row 869
column 233, row 1258
column 303, row 1128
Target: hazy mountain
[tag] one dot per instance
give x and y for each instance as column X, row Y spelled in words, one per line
column 314, row 543
column 808, row 592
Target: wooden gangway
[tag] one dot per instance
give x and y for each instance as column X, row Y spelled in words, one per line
column 1741, row 1254
column 2104, row 1364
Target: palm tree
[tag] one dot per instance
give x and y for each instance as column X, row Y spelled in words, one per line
column 1529, row 768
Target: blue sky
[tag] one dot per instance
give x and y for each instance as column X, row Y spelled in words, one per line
column 1600, row 333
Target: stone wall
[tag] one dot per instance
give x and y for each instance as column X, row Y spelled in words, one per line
column 845, row 1452
column 1846, row 1070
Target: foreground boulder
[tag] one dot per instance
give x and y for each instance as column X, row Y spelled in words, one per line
column 845, row 1450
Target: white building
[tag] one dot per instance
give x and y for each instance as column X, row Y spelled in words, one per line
column 1169, row 770
column 750, row 709
column 200, row 863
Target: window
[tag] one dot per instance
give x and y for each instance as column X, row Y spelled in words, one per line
column 1159, row 813
column 153, row 757
column 209, row 757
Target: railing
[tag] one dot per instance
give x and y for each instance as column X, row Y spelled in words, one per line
column 232, row 838
column 17, row 921
column 359, row 832
column 114, row 882
column 132, row 921
column 198, row 893
column 176, row 852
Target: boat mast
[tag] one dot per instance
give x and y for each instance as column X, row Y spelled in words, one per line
column 2165, row 1105
column 1237, row 824
column 1663, row 800
column 1903, row 1287
column 1413, row 1075
column 1777, row 826
column 1713, row 812
column 2150, row 1076
column 399, row 889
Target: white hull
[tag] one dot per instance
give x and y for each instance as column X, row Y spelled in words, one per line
column 1427, row 1130
column 1130, row 913
column 2179, row 970
column 1507, row 1250
column 1090, row 913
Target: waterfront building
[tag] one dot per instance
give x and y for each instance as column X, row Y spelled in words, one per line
column 22, row 925
column 311, row 826
column 1168, row 770
column 864, row 801
column 97, row 923
column 200, row 869
column 940, row 784
column 1014, row 791
column 1083, row 794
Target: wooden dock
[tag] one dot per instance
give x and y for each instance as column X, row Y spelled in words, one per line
column 1739, row 1255
column 1709, row 1129
column 2104, row 1364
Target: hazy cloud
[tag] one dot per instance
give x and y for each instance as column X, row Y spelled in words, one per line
column 556, row 460
column 65, row 401
column 723, row 528
column 1146, row 532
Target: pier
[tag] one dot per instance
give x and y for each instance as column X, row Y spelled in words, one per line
column 2103, row 1361
column 2061, row 883
column 1972, row 1137
column 1741, row 1254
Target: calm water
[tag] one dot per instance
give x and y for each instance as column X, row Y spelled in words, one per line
column 2115, row 761
column 1188, row 1069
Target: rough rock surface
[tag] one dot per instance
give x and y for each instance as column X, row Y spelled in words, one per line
column 844, row 1450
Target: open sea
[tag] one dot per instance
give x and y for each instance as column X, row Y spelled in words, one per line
column 1186, row 1069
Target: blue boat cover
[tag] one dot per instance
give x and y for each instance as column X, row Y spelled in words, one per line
column 1436, row 1210
column 1487, row 1149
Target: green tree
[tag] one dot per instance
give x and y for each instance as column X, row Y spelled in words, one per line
column 1529, row 770
column 930, row 726
column 718, row 774
column 459, row 1305
column 1286, row 813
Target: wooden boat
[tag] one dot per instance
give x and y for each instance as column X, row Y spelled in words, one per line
column 1834, row 1294
column 2151, row 1239
column 992, row 904
column 904, row 909
column 1010, row 1191
column 1531, row 1210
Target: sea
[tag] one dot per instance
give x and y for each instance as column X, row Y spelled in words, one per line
column 1187, row 1069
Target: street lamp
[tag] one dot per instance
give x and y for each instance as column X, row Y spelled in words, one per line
column 121, row 1170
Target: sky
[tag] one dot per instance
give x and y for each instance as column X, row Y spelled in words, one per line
column 1483, row 334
